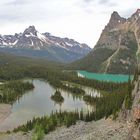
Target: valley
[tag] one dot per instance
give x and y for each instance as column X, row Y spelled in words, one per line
column 58, row 89
column 35, row 105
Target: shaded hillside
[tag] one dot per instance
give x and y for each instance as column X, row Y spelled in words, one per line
column 7, row 59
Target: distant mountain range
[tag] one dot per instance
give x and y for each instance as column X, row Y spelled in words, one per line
column 118, row 48
column 31, row 43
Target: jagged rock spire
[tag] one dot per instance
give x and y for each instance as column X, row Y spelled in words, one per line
column 30, row 29
column 115, row 20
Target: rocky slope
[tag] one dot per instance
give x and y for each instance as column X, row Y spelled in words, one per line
column 132, row 116
column 33, row 43
column 118, row 47
column 100, row 130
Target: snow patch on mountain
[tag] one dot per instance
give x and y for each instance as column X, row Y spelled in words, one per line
column 14, row 42
column 41, row 37
column 71, row 45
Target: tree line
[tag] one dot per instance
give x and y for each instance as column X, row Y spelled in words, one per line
column 12, row 90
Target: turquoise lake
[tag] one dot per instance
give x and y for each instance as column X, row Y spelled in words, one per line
column 104, row 77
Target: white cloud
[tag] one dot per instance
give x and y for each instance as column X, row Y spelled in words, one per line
column 82, row 20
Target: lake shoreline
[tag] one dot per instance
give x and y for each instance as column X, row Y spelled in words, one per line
column 106, row 77
column 38, row 103
column 5, row 111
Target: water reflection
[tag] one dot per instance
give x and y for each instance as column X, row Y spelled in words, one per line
column 37, row 103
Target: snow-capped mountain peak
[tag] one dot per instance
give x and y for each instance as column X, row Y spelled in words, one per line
column 30, row 30
column 33, row 39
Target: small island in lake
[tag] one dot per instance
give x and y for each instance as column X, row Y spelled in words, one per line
column 57, row 97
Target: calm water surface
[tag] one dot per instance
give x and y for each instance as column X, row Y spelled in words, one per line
column 37, row 103
column 104, row 77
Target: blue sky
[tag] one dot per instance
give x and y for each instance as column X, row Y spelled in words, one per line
column 82, row 20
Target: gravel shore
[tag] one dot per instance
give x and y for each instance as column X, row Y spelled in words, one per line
column 5, row 110
column 99, row 130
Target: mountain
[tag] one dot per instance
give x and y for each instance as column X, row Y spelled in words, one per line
column 117, row 49
column 34, row 44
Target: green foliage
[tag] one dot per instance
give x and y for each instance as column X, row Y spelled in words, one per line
column 12, row 90
column 136, row 74
column 38, row 132
column 91, row 100
column 73, row 90
column 93, row 61
column 107, row 104
column 121, row 59
column 53, row 75
column 126, row 59
column 50, row 123
column 57, row 97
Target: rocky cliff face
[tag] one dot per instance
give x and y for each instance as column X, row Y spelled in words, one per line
column 135, row 111
column 132, row 116
column 118, row 47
